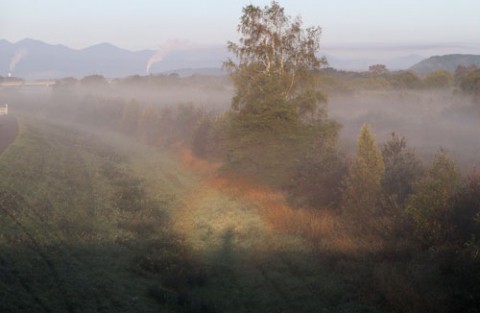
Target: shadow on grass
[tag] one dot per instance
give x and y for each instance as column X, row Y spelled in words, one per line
column 152, row 271
column 148, row 275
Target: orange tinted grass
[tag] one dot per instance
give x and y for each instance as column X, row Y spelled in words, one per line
column 318, row 227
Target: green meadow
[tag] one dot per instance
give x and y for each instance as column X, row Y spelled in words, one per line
column 97, row 222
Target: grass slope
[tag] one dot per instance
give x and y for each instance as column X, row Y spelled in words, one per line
column 94, row 222
column 78, row 227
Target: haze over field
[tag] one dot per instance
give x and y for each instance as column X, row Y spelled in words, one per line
column 223, row 156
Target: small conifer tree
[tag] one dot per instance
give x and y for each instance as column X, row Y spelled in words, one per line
column 363, row 184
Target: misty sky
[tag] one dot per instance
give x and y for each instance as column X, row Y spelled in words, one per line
column 446, row 26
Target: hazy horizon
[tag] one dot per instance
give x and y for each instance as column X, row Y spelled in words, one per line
column 374, row 28
column 29, row 54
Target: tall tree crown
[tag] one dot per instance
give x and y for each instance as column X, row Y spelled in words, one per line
column 369, row 158
column 275, row 49
column 276, row 41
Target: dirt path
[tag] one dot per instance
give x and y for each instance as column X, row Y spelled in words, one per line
column 8, row 131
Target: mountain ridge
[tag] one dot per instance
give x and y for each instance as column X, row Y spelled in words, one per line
column 39, row 60
column 448, row 62
column 35, row 59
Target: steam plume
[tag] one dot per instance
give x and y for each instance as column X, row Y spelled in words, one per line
column 163, row 52
column 16, row 58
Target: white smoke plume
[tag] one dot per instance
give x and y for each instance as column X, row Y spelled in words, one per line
column 163, row 52
column 16, row 58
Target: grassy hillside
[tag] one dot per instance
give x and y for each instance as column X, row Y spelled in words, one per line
column 78, row 226
column 88, row 226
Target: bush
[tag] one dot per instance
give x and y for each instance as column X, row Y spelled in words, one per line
column 438, row 79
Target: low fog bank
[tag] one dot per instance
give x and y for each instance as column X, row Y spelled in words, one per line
column 429, row 120
column 210, row 92
column 204, row 91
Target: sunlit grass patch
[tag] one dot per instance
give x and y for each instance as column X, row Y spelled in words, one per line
column 317, row 227
column 210, row 217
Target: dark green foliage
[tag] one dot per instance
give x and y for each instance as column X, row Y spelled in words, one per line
column 467, row 208
column 186, row 120
column 210, row 137
column 438, row 79
column 469, row 83
column 270, row 156
column 405, row 80
column 402, row 170
column 317, row 180
column 442, row 280
column 431, row 206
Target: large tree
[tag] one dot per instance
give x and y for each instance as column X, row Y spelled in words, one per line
column 276, row 106
column 275, row 50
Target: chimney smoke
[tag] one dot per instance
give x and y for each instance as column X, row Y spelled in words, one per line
column 20, row 54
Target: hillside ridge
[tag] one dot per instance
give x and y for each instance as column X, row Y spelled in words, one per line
column 448, row 62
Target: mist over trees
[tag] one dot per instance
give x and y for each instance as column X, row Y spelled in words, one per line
column 396, row 229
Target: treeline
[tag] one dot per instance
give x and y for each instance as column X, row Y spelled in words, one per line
column 150, row 123
column 465, row 80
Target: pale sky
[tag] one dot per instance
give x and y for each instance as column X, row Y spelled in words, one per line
column 148, row 24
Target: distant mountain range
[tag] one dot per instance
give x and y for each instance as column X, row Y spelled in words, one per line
column 33, row 59
column 446, row 62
